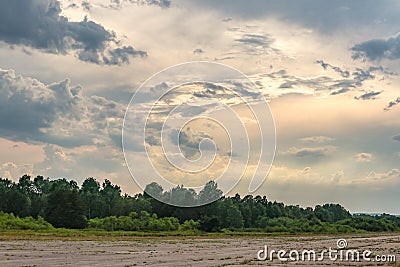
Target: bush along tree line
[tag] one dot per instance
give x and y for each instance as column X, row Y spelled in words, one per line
column 41, row 203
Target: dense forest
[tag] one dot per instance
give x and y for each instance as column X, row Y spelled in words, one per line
column 41, row 203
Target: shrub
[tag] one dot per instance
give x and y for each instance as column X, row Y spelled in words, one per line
column 189, row 225
column 11, row 222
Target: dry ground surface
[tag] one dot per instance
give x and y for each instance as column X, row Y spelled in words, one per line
column 188, row 251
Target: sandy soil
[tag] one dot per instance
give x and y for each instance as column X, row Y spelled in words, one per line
column 241, row 251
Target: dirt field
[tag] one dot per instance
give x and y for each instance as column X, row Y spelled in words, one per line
column 238, row 251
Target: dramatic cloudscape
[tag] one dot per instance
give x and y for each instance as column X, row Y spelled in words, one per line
column 329, row 71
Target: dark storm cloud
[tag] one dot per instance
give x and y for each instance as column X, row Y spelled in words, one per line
column 58, row 113
column 368, row 96
column 392, row 104
column 325, row 16
column 377, row 49
column 38, row 24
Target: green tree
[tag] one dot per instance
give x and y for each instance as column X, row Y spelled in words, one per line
column 234, row 217
column 40, row 190
column 209, row 224
column 111, row 195
column 91, row 195
column 18, row 202
column 65, row 207
column 5, row 188
column 210, row 193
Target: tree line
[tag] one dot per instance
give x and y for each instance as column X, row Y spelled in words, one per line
column 63, row 203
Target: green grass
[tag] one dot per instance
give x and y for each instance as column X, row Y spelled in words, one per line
column 90, row 234
column 86, row 234
column 94, row 234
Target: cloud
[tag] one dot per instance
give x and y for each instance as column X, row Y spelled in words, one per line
column 258, row 43
column 396, row 138
column 326, row 17
column 290, row 84
column 13, row 171
column 255, row 40
column 391, row 176
column 57, row 113
column 392, row 104
column 378, row 49
column 86, row 5
column 198, row 51
column 160, row 3
column 78, row 163
column 343, row 73
column 311, row 151
column 285, row 176
column 352, row 80
column 189, row 142
column 368, row 95
column 242, row 41
column 363, row 157
column 320, row 85
column 340, row 91
column 361, row 75
column 317, row 139
column 339, row 175
column 117, row 56
column 40, row 25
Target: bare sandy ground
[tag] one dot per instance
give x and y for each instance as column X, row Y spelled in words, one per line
column 240, row 251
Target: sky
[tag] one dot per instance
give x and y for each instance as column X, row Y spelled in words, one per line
column 328, row 70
